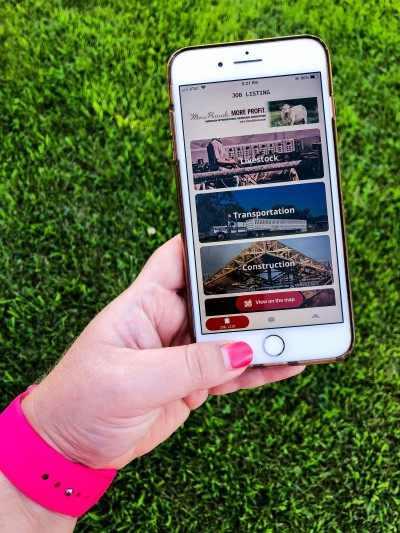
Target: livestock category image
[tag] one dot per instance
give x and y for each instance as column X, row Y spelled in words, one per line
column 293, row 112
column 259, row 159
column 266, row 265
column 264, row 211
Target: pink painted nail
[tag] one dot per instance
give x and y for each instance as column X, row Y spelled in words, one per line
column 236, row 355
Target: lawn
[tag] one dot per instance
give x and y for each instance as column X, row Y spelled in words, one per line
column 85, row 165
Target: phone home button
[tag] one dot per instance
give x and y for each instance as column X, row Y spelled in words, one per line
column 274, row 345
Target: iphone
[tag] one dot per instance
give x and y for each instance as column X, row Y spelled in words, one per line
column 255, row 152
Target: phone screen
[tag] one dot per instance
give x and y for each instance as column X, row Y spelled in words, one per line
column 261, row 203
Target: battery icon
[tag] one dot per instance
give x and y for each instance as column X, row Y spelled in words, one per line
column 313, row 76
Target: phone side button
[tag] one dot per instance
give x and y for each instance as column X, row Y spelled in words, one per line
column 274, row 345
column 173, row 150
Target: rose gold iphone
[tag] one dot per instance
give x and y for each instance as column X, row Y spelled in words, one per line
column 254, row 138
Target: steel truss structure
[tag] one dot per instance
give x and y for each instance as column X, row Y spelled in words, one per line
column 242, row 273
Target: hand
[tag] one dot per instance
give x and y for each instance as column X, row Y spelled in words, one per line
column 131, row 379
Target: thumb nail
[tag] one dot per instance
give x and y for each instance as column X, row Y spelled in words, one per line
column 236, row 355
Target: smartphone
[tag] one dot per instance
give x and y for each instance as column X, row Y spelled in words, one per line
column 255, row 152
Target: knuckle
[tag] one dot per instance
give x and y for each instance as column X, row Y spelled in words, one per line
column 197, row 365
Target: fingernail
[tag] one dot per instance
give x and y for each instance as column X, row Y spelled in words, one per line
column 236, row 355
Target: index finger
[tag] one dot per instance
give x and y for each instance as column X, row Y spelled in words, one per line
column 165, row 266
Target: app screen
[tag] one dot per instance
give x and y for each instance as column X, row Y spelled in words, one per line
column 261, row 205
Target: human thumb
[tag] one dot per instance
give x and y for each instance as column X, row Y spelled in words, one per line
column 161, row 376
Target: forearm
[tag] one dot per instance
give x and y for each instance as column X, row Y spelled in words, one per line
column 18, row 513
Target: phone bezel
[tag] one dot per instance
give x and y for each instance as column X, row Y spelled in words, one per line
column 303, row 344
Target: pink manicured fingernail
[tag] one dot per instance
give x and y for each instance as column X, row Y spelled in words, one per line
column 236, row 355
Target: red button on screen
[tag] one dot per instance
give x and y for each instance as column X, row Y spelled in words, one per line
column 270, row 302
column 227, row 323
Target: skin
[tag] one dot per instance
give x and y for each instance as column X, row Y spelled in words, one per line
column 127, row 383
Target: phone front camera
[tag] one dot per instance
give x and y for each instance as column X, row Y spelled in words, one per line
column 247, row 52
column 220, row 64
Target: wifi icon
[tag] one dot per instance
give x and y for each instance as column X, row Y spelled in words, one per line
column 203, row 86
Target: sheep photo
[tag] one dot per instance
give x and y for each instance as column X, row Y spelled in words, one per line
column 293, row 112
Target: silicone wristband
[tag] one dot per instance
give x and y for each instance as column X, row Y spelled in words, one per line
column 43, row 474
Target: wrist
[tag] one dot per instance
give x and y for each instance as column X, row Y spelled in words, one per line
column 42, row 472
column 66, row 421
column 41, row 416
column 57, row 423
column 20, row 513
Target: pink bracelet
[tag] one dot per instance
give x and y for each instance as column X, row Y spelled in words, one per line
column 43, row 474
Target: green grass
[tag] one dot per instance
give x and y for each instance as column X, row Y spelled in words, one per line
column 85, row 170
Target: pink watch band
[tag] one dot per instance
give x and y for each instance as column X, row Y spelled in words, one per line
column 43, row 474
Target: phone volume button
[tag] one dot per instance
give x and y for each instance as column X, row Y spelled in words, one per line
column 173, row 150
column 171, row 122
